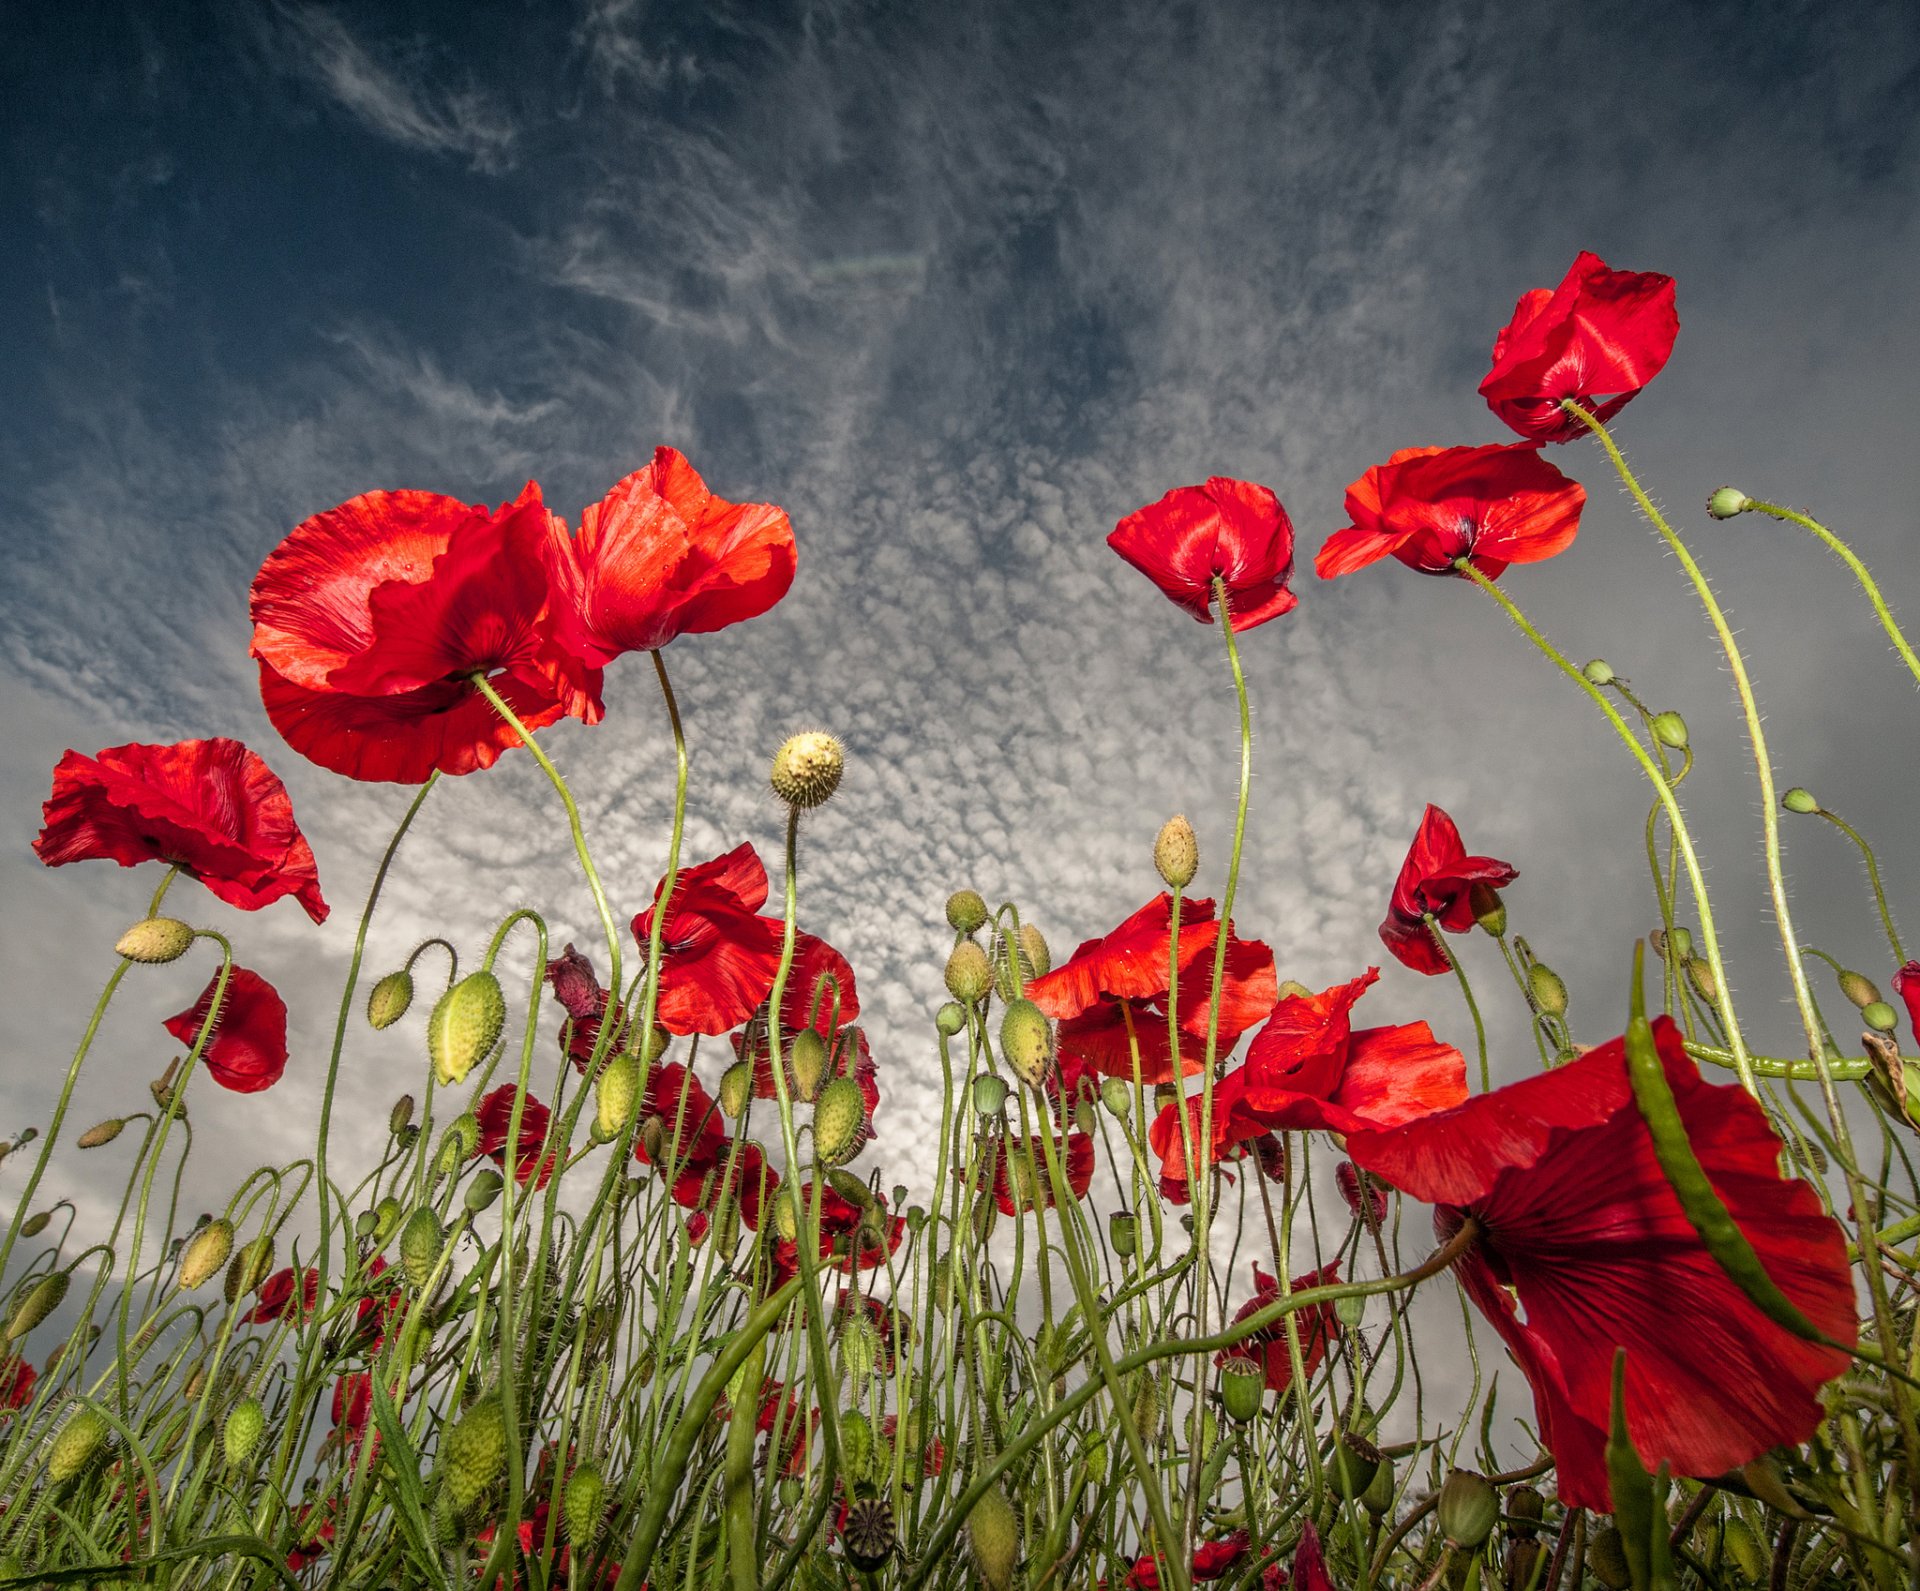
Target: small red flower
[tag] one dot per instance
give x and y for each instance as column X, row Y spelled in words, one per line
column 247, row 1050
column 495, row 1116
column 1598, row 338
column 1438, row 877
column 1317, row 1326
column 1309, row 1565
column 1215, row 1560
column 718, row 956
column 1426, row 506
column 1906, row 984
column 853, row 1236
column 1229, row 530
column 371, row 619
column 276, row 1297
column 1363, row 1194
column 211, row 808
column 17, row 1379
column 1583, row 1249
column 1020, row 1176
column 660, row 556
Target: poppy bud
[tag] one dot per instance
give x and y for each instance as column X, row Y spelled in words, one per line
column 205, row 1253
column 614, row 1094
column 39, row 1301
column 859, row 1347
column 1176, row 853
column 989, row 1094
column 80, row 1442
column 868, row 1533
column 1599, row 672
column 950, row 1019
column 248, row 1268
column 1469, row 1509
column 36, row 1223
column 837, row 1118
column 1700, row 975
column 1548, row 990
column 969, row 973
column 653, row 1139
column 806, row 769
column 162, row 1090
column 474, row 1452
column 1879, row 1016
column 1033, row 945
column 1525, row 1509
column 1860, row 989
column 1741, row 1545
column 154, row 941
column 459, row 1142
column 1489, row 910
column 1607, row 1559
column 1801, row 801
column 1291, row 990
column 585, row 1489
column 1377, row 1499
column 421, row 1241
column 1670, row 729
column 1026, row 1041
column 807, row 1055
column 1727, row 502
column 966, row 911
column 246, row 1424
column 1116, row 1096
column 1123, row 1229
column 386, row 1219
column 465, row 1025
column 388, row 1000
column 1355, row 1460
column 1242, row 1384
column 102, row 1132
column 1350, row 1310
column 1083, row 1117
column 993, row 1540
column 483, row 1190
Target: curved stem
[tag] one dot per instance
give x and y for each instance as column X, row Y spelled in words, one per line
column 1873, row 878
column 1846, row 555
column 1466, row 989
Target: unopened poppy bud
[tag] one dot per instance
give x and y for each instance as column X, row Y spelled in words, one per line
column 1681, row 943
column 102, row 1133
column 1879, row 1016
column 27, row 1135
column 1355, row 1460
column 36, row 1223
column 653, row 1139
column 39, row 1301
column 473, row 1453
column 81, row 1440
column 989, row 1094
column 1033, row 946
column 205, row 1254
column 1123, row 1230
column 1860, row 989
column 1801, row 801
column 1727, row 502
column 585, row 1489
column 950, row 1018
column 1242, row 1384
column 1700, row 975
column 458, row 1143
column 966, row 911
column 1176, row 853
column 1026, row 1041
column 1599, row 671
column 465, row 1025
column 807, row 1055
column 246, row 1424
column 1525, row 1509
column 388, row 1000
column 1083, row 1118
column 154, row 941
column 483, row 1190
column 837, row 1118
column 806, row 769
column 421, row 1242
column 1489, row 910
column 1607, row 1559
column 993, row 1540
column 1670, row 729
column 1290, row 989
column 613, row 1096
column 1116, row 1096
column 969, row 973
column 248, row 1268
column 1469, row 1509
column 1547, row 988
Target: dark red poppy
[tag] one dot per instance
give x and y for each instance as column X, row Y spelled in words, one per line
column 1906, row 984
column 1215, row 1560
column 781, row 1422
column 1598, row 338
column 689, row 1131
column 1426, row 506
column 353, row 1402
column 1363, row 1194
column 371, row 619
column 17, row 1379
column 718, row 956
column 1317, row 1325
column 247, row 1050
column 1583, row 1249
column 702, row 1186
column 276, row 1297
column 1309, row 1566
column 933, row 1457
column 495, row 1115
column 312, row 1541
column 578, row 990
column 1438, row 878
column 855, row 1235
column 1020, row 1176
column 1229, row 530
column 211, row 808
column 660, row 556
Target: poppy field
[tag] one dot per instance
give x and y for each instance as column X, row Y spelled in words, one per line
column 637, row 1291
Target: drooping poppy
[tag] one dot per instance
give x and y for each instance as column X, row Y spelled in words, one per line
column 495, row 1115
column 660, row 556
column 1363, row 1194
column 372, row 619
column 718, row 955
column 247, row 1050
column 1906, row 984
column 1438, row 878
column 212, row 808
column 1426, row 506
column 821, row 994
column 856, row 1234
column 1227, row 530
column 1598, row 338
column 577, row 988
column 1317, row 1326
column 275, row 1297
column 1581, row 1248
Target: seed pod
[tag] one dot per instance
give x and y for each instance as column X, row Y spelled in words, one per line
column 473, row 1453
column 248, row 1268
column 1879, row 1016
column 1176, row 853
column 1525, row 1509
column 837, row 1120
column 421, row 1242
column 1355, row 1462
column 993, row 1540
column 1607, row 1559
column 1377, row 1499
column 1469, row 1509
column 585, row 1489
column 1801, row 801
column 1727, row 502
column 989, row 1094
column 81, row 1440
column 1670, row 729
column 102, row 1133
column 966, row 911
column 483, row 1190
column 806, row 769
column 1599, row 671
column 868, row 1533
column 388, row 1000
column 1243, row 1385
column 1123, row 1231
column 807, row 1055
column 969, row 973
column 466, row 1024
column 206, row 1252
column 1548, row 991
column 950, row 1019
column 246, row 1424
column 1026, row 1041
column 736, row 1089
column 615, row 1093
column 1859, row 988
column 154, row 941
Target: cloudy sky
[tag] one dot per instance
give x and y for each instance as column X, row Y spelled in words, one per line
column 959, row 286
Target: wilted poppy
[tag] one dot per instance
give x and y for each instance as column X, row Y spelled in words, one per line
column 577, row 988
column 1598, row 338
column 495, row 1115
column 1438, row 878
column 247, row 1050
column 1227, row 530
column 718, row 956
column 1316, row 1325
column 1426, row 506
column 1581, row 1248
column 371, row 620
column 211, row 808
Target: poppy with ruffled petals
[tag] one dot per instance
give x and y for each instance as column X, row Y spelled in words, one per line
column 495, row 1115
column 718, row 955
column 1426, row 506
column 1598, row 338
column 1317, row 1327
column 1228, row 530
column 1582, row 1249
column 660, row 556
column 855, row 1235
column 211, row 808
column 371, row 619
column 275, row 1297
column 1438, row 878
column 247, row 1050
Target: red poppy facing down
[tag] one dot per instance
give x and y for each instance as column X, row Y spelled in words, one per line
column 211, row 808
column 660, row 556
column 1582, row 1249
column 495, row 1116
column 1426, row 506
column 1598, row 338
column 1438, row 878
column 718, row 956
column 1230, row 531
column 1317, row 1326
column 247, row 1050
column 371, row 620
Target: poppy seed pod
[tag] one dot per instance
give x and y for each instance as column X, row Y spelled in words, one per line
column 246, row 1424
column 1355, row 1460
column 969, row 973
column 807, row 1055
column 1176, row 853
column 868, row 1533
column 1243, row 1382
column 465, row 1025
column 1525, row 1509
column 1670, row 729
column 474, row 1452
column 101, row 1132
column 1879, row 1016
column 154, row 941
column 1026, row 1041
column 993, row 1540
column 1727, row 502
column 989, row 1094
column 806, row 769
column 421, row 1241
column 1123, row 1230
column 1860, row 989
column 80, row 1442
column 837, row 1118
column 1377, row 1499
column 1488, row 909
column 1469, row 1509
column 1599, row 671
column 966, row 911
column 950, row 1019
column 389, row 999
column 1548, row 990
column 206, row 1252
column 1801, row 801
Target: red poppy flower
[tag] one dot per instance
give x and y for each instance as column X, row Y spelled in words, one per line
column 1229, row 530
column 660, row 556
column 689, row 1131
column 1583, row 1249
column 1598, row 338
column 1426, row 506
column 211, row 808
column 275, row 1297
column 718, row 956
column 1906, row 984
column 1309, row 1565
column 1438, row 877
column 370, row 621
column 247, row 1050
column 933, row 1457
column 1020, row 1176
column 353, row 1402
column 1362, row 1193
column 854, row 1235
column 820, row 993
column 17, row 1379
column 780, row 1420
column 746, row 1176
column 1317, row 1324
column 495, row 1116
column 578, row 990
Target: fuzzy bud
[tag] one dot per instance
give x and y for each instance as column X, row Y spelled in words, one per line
column 1489, row 910
column 39, row 1301
column 421, row 1241
column 1292, row 989
column 246, row 1424
column 586, row 1487
column 154, row 941
column 1670, row 729
column 1026, row 1041
column 483, row 1190
column 993, row 1540
column 1801, row 801
column 969, row 973
column 1176, row 853
column 465, row 1025
column 1548, row 990
column 459, row 1142
column 36, row 1223
column 1700, row 975
column 1469, row 1509
column 806, row 769
column 473, row 1453
column 1034, row 948
column 1860, row 989
column 1116, row 1096
column 81, row 1440
column 1727, row 502
column 966, row 911
column 1243, row 1385
column 950, row 1019
column 837, row 1119
column 614, row 1095
column 807, row 1055
column 248, row 1268
column 1599, row 672
column 206, row 1252
column 388, row 1000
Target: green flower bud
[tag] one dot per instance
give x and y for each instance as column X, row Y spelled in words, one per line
column 1879, row 1016
column 248, row 1268
column 1548, row 990
column 1727, row 502
column 838, row 1116
column 1033, row 946
column 465, row 1025
column 989, row 1094
column 614, row 1095
column 1860, row 989
column 389, row 999
column 246, row 1424
column 1469, row 1509
column 460, row 1142
column 856, row 1447
column 36, row 1223
column 483, row 1190
column 1243, row 1386
column 101, row 1133
column 1670, row 729
column 585, row 1489
column 950, row 1019
column 155, row 941
column 969, row 973
column 1026, row 1041
column 1117, row 1097
column 806, row 769
column 206, row 1252
column 81, row 1441
column 421, row 1241
column 1801, row 801
column 1176, row 853
column 807, row 1055
column 38, row 1302
column 993, row 1540
column 966, row 911
column 473, row 1453
column 1599, row 672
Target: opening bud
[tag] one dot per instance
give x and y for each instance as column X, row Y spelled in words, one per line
column 206, row 1252
column 1243, row 1385
column 465, row 1025
column 388, row 1000
column 969, row 973
column 806, row 770
column 1727, row 502
column 155, row 940
column 1860, row 989
column 1176, row 853
column 966, row 911
column 1800, row 800
column 989, row 1094
column 1670, row 729
column 1469, row 1509
column 1489, row 910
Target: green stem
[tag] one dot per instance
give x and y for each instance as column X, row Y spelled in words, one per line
column 1873, row 878
column 1846, row 555
column 1466, row 989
